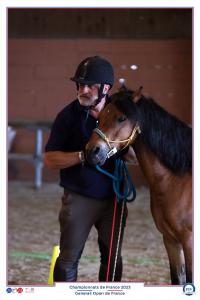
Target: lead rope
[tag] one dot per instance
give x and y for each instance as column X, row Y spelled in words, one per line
column 118, row 241
column 120, row 177
column 111, row 241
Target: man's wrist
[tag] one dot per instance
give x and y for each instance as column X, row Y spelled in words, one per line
column 81, row 157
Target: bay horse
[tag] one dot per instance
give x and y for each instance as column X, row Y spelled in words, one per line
column 163, row 147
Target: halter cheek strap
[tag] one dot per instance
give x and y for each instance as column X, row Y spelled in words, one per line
column 113, row 150
column 103, row 136
column 136, row 130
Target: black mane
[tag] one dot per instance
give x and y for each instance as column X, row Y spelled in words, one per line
column 166, row 136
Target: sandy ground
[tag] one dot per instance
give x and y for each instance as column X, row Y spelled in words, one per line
column 33, row 229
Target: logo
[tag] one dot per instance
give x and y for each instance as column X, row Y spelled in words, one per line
column 9, row 290
column 189, row 289
column 14, row 290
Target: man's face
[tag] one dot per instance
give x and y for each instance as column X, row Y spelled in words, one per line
column 87, row 94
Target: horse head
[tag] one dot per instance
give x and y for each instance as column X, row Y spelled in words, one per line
column 117, row 127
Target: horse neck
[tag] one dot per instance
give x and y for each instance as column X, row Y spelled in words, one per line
column 152, row 168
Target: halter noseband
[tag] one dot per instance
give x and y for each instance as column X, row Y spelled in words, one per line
column 128, row 141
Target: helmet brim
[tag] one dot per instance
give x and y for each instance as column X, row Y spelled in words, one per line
column 87, row 82
column 83, row 81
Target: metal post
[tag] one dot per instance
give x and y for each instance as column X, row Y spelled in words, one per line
column 38, row 158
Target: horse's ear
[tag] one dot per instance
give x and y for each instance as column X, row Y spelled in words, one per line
column 137, row 94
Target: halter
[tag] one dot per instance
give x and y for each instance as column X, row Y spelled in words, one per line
column 128, row 141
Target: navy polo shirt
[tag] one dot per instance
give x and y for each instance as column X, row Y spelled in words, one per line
column 70, row 132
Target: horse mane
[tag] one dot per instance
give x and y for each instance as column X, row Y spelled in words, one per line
column 166, row 136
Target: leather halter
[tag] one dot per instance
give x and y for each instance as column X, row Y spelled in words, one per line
column 136, row 130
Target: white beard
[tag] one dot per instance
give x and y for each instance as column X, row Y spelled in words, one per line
column 86, row 101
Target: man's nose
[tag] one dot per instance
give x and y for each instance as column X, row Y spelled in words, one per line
column 84, row 88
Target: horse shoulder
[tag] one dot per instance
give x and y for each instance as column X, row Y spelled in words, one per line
column 171, row 208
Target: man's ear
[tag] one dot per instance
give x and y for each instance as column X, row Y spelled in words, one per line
column 106, row 88
column 137, row 94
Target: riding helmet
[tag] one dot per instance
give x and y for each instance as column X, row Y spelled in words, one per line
column 94, row 69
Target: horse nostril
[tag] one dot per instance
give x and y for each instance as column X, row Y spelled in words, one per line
column 95, row 155
column 92, row 153
column 96, row 150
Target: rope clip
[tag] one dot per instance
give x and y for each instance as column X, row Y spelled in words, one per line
column 112, row 152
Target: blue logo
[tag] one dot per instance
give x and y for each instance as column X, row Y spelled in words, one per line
column 9, row 290
column 189, row 289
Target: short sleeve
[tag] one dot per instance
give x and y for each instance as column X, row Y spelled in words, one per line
column 59, row 135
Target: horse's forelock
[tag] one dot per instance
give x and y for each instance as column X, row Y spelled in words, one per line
column 124, row 103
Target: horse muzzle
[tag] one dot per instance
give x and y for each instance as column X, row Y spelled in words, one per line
column 96, row 155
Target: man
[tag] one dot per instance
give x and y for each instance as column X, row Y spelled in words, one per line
column 88, row 195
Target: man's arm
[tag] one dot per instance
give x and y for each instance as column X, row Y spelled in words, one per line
column 61, row 160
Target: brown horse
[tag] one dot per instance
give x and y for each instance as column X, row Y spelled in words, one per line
column 163, row 146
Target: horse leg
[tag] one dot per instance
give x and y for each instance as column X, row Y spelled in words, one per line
column 176, row 260
column 187, row 248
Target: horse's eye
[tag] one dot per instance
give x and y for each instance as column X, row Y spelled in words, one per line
column 121, row 119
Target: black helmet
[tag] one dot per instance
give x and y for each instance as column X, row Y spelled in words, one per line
column 94, row 70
